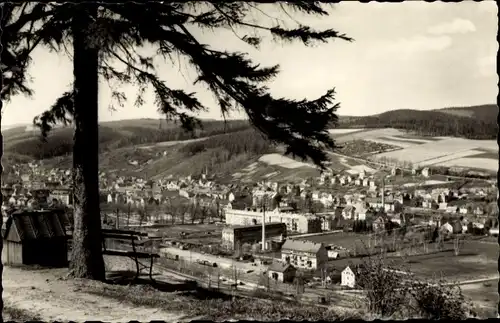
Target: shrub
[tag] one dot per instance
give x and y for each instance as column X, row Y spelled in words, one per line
column 439, row 301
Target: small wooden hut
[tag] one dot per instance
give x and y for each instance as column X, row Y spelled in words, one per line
column 36, row 238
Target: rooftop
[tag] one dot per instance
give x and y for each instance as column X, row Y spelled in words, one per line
column 279, row 267
column 32, row 225
column 301, row 245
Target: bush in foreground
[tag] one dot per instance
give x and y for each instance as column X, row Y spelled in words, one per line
column 393, row 291
column 213, row 309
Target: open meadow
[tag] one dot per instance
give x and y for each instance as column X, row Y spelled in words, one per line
column 476, row 259
column 426, row 151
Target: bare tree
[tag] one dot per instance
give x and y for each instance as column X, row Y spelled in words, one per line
column 384, row 289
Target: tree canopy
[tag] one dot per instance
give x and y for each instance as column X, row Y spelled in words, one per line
column 123, row 31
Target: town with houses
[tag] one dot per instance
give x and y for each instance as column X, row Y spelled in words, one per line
column 273, row 219
column 306, row 237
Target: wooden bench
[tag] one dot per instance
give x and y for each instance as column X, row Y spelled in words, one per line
column 132, row 238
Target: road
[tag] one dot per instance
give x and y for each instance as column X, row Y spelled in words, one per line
column 226, row 263
column 252, row 280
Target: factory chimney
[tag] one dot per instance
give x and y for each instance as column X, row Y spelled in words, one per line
column 264, row 226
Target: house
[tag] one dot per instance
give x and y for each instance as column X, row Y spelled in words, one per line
column 348, row 277
column 327, row 222
column 360, row 212
column 36, row 238
column 304, row 254
column 348, row 212
column 380, row 221
column 63, row 195
column 282, row 272
column 464, row 209
column 492, row 232
column 332, row 254
column 479, row 211
column 396, row 171
column 447, row 227
column 443, row 206
column 429, row 204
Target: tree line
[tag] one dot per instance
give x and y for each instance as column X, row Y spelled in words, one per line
column 151, row 135
column 248, row 141
column 60, row 142
column 430, row 123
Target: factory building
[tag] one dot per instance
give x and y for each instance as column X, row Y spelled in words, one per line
column 297, row 223
column 239, row 234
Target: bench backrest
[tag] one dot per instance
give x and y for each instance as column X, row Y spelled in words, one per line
column 124, row 232
column 120, row 236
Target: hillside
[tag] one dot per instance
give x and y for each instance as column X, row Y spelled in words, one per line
column 477, row 122
column 113, row 135
column 480, row 112
column 236, row 155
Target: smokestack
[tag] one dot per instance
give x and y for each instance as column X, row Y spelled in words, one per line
column 264, row 227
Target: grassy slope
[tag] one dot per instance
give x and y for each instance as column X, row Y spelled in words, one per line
column 21, row 146
column 113, row 135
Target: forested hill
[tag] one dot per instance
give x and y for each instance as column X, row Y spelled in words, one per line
column 478, row 122
column 113, row 135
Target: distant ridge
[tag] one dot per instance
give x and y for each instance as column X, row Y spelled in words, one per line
column 475, row 122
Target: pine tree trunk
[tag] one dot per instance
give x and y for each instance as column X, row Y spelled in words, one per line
column 1, row 215
column 86, row 258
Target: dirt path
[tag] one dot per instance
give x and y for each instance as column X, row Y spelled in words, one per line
column 50, row 297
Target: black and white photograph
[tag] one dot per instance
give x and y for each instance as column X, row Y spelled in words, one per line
column 219, row 161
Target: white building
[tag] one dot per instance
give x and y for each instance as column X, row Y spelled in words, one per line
column 447, row 227
column 348, row 278
column 300, row 223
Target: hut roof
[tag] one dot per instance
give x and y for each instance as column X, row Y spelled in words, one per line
column 34, row 225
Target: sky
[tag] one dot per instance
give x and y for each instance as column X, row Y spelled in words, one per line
column 408, row 55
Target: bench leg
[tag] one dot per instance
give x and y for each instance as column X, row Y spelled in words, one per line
column 151, row 270
column 138, row 269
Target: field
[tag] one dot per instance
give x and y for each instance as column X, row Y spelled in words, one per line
column 367, row 134
column 336, row 132
column 476, row 260
column 484, row 297
column 282, row 161
column 397, row 145
column 450, row 157
column 480, row 154
column 481, row 163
